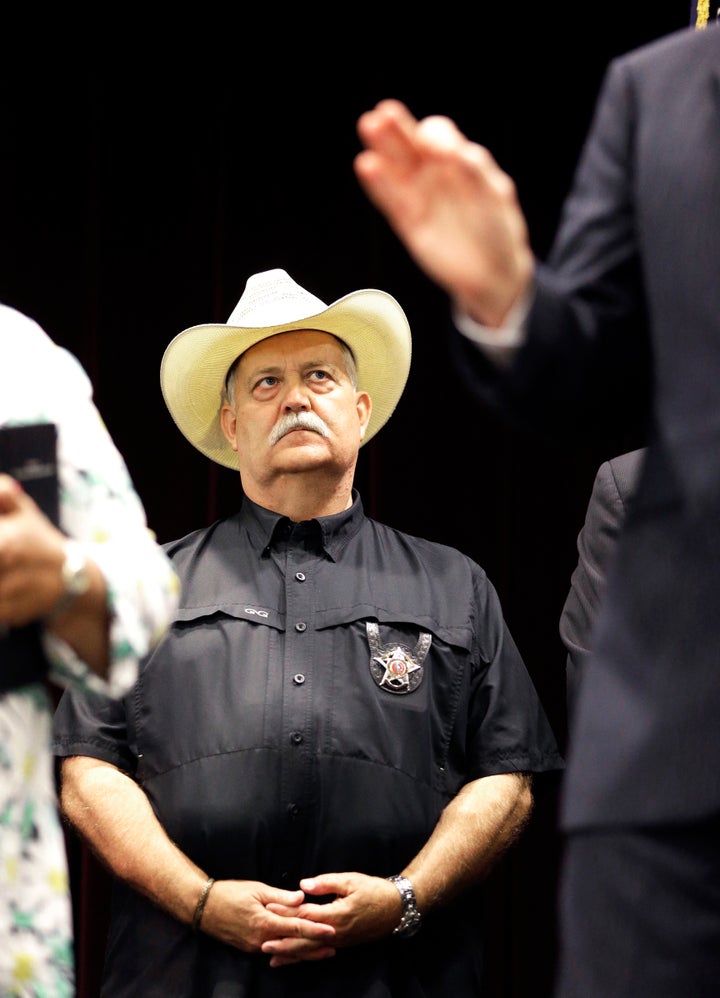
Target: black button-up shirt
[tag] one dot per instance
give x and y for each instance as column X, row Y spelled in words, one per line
column 328, row 686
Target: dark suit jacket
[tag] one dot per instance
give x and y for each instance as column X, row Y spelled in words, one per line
column 632, row 284
column 611, row 492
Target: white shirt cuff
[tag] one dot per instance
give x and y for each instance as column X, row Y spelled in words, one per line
column 501, row 343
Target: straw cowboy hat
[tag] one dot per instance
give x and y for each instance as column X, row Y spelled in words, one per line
column 195, row 364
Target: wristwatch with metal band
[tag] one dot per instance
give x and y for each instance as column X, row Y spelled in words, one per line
column 74, row 577
column 411, row 918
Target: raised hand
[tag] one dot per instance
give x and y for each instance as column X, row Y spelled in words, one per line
column 451, row 205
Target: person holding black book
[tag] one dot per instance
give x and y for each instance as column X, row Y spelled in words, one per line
column 85, row 592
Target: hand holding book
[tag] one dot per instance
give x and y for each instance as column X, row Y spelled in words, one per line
column 31, row 547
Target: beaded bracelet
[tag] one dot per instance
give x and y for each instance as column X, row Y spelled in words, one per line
column 200, row 907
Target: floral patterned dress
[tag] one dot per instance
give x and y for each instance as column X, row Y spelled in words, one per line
column 99, row 507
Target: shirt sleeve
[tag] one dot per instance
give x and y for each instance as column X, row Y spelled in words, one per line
column 100, row 508
column 501, row 344
column 509, row 728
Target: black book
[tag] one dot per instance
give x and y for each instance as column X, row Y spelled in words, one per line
column 29, row 454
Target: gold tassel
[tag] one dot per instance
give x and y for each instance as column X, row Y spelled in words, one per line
column 703, row 13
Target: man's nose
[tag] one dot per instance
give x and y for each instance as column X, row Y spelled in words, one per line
column 297, row 399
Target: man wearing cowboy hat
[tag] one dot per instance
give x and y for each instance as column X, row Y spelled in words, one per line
column 315, row 771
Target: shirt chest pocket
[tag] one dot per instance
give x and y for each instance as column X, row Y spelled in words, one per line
column 397, row 691
column 208, row 689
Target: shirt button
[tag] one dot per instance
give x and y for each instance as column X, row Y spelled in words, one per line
column 301, row 626
column 298, row 679
column 296, row 738
column 293, row 810
column 300, row 576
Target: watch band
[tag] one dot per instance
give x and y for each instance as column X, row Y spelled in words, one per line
column 75, row 578
column 411, row 919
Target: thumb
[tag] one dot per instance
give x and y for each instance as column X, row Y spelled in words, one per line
column 327, row 883
column 12, row 494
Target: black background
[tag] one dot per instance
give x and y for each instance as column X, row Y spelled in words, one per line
column 151, row 163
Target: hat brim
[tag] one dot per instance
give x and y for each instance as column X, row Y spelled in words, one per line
column 196, row 362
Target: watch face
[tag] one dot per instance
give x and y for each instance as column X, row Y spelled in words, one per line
column 74, row 573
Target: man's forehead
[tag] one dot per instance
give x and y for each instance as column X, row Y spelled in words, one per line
column 296, row 343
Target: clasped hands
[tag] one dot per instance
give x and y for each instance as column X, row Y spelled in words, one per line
column 289, row 928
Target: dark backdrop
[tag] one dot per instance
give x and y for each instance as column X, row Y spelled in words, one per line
column 150, row 167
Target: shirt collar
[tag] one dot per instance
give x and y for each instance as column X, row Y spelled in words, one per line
column 266, row 528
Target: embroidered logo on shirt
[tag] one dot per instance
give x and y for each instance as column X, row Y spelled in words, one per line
column 395, row 667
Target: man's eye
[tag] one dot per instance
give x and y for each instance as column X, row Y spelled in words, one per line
column 268, row 382
column 319, row 375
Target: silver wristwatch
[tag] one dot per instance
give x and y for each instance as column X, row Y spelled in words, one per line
column 75, row 578
column 411, row 918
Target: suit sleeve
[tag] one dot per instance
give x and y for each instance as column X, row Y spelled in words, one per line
column 594, row 544
column 614, row 482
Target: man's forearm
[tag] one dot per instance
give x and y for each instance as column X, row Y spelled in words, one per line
column 111, row 812
column 475, row 829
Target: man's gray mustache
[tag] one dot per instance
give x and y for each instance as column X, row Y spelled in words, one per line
column 298, row 421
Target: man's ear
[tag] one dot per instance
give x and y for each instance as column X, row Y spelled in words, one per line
column 363, row 403
column 228, row 422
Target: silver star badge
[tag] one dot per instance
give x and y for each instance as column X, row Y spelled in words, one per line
column 395, row 667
